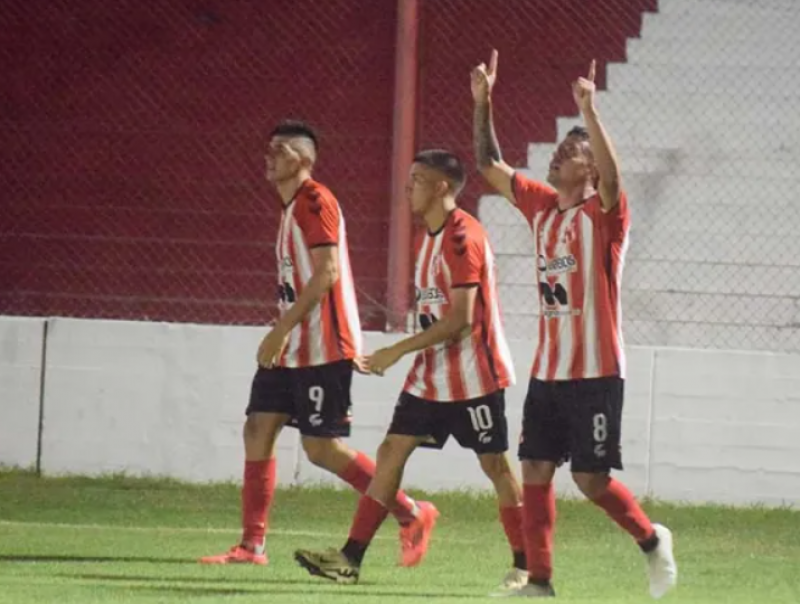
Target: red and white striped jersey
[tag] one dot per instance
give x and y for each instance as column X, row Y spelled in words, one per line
column 332, row 330
column 459, row 255
column 580, row 253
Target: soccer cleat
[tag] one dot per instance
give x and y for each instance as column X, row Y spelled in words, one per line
column 239, row 554
column 515, row 579
column 331, row 564
column 661, row 567
column 414, row 537
column 529, row 590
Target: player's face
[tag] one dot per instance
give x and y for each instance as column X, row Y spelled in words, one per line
column 571, row 164
column 281, row 163
column 424, row 186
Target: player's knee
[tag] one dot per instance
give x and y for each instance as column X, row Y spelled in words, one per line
column 538, row 472
column 387, row 452
column 254, row 430
column 495, row 466
column 391, row 453
column 592, row 485
column 319, row 450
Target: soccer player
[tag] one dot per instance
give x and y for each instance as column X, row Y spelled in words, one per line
column 306, row 360
column 456, row 384
column 573, row 408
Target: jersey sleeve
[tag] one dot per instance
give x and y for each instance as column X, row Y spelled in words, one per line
column 617, row 221
column 318, row 216
column 463, row 253
column 531, row 196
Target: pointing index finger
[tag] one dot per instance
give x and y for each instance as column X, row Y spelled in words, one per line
column 592, row 69
column 493, row 62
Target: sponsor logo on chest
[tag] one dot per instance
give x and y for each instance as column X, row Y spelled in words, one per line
column 557, row 266
column 430, row 296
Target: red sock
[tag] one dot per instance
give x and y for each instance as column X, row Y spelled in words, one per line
column 538, row 521
column 370, row 515
column 511, row 517
column 257, row 492
column 619, row 504
column 359, row 474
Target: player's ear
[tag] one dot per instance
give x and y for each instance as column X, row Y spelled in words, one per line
column 306, row 161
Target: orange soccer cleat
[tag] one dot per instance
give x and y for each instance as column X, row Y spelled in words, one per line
column 239, row 554
column 414, row 538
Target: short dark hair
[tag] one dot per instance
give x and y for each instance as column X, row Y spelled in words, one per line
column 295, row 128
column 579, row 132
column 445, row 162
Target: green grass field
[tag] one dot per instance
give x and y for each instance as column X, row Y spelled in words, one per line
column 135, row 540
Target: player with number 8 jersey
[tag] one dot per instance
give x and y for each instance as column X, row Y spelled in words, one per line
column 457, row 382
column 573, row 409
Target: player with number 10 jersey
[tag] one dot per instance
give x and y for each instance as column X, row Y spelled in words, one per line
column 457, row 256
column 457, row 382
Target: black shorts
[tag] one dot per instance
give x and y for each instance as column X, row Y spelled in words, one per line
column 478, row 424
column 579, row 420
column 317, row 399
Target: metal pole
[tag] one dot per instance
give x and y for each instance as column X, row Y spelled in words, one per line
column 404, row 129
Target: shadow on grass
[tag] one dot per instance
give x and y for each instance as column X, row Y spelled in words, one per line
column 33, row 558
column 268, row 590
column 262, row 580
column 268, row 586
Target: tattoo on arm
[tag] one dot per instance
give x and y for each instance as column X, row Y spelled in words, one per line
column 487, row 149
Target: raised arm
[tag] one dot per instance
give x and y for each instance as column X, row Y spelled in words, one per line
column 602, row 149
column 487, row 149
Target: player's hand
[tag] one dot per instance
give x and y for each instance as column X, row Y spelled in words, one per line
column 380, row 360
column 483, row 79
column 361, row 364
column 583, row 90
column 271, row 347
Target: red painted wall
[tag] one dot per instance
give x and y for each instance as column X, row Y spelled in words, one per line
column 133, row 135
column 543, row 44
column 132, row 162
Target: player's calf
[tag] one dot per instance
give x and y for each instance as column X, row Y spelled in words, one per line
column 509, row 495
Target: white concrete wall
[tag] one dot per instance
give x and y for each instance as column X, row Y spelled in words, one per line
column 150, row 398
column 708, row 132
column 165, row 399
column 21, row 341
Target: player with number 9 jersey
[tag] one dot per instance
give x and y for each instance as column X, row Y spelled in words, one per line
column 306, row 360
column 331, row 331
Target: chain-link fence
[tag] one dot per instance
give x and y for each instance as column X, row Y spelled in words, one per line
column 696, row 97
column 133, row 141
column 131, row 171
